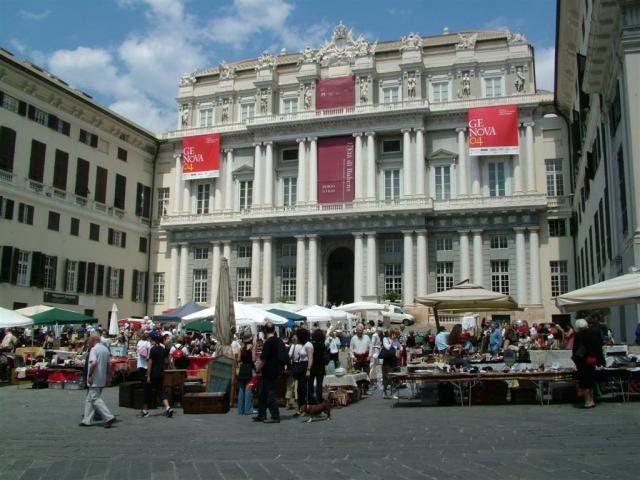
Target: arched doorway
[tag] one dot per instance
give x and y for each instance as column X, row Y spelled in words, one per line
column 340, row 276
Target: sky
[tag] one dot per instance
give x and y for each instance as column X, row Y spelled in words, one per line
column 129, row 54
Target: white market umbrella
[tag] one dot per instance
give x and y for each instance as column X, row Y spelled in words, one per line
column 200, row 315
column 113, row 321
column 621, row 290
column 467, row 297
column 247, row 315
column 11, row 319
column 316, row 313
column 361, row 307
column 33, row 310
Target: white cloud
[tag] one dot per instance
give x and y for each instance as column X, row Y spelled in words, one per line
column 34, row 16
column 545, row 68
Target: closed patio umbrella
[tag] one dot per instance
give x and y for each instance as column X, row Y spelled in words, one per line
column 113, row 321
column 225, row 316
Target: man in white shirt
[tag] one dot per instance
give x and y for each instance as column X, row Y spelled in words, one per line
column 333, row 343
column 360, row 349
column 97, row 377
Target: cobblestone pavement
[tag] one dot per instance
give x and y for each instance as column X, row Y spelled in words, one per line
column 40, row 438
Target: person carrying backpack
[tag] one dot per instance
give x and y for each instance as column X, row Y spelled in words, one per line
column 179, row 356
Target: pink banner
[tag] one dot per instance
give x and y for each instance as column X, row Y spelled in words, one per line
column 336, row 92
column 335, row 169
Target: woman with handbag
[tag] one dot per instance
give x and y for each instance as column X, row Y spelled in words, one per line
column 587, row 354
column 321, row 358
column 389, row 355
column 301, row 356
column 246, row 361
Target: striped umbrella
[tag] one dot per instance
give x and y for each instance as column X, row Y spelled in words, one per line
column 225, row 316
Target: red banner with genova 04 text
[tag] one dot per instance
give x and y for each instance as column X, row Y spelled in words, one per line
column 201, row 156
column 335, row 169
column 493, row 130
column 336, row 92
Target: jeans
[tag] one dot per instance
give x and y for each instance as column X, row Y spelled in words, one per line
column 94, row 403
column 268, row 398
column 305, row 390
column 245, row 398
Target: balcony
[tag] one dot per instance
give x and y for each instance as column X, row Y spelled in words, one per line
column 561, row 202
column 530, row 201
column 6, row 177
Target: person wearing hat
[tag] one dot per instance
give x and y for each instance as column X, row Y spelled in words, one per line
column 246, row 360
column 155, row 374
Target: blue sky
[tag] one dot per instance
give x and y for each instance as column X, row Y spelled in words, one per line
column 129, row 54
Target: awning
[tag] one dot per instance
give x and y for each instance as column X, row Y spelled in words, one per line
column 11, row 319
column 177, row 314
column 621, row 290
column 361, row 307
column 200, row 326
column 45, row 315
column 467, row 297
column 292, row 318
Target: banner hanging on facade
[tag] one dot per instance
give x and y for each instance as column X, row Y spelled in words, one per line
column 493, row 130
column 335, row 169
column 336, row 92
column 201, row 156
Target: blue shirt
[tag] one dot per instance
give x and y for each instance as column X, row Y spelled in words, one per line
column 442, row 341
column 495, row 341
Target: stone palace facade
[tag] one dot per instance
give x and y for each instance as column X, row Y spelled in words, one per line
column 423, row 214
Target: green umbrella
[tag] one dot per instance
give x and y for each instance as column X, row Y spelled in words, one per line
column 200, row 326
column 60, row 316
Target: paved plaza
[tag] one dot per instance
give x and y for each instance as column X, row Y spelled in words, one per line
column 40, row 438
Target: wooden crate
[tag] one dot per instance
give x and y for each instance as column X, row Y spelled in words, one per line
column 198, row 403
column 125, row 393
column 174, row 378
column 192, row 387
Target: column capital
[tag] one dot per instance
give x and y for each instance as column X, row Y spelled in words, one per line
column 357, row 134
column 215, row 242
column 405, row 130
column 183, row 244
column 370, row 234
column 226, row 242
column 267, row 238
column 358, row 234
column 257, row 144
column 461, row 129
column 477, row 231
column 464, row 232
column 228, row 150
column 314, row 236
column 406, row 232
column 301, row 140
column 177, row 156
column 255, row 239
column 268, row 143
column 370, row 134
column 421, row 231
column 528, row 124
column 312, row 139
column 419, row 129
column 299, row 237
column 519, row 229
column 534, row 228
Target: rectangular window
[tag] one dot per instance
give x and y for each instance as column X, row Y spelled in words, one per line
column 12, row 103
column 289, row 191
column 443, row 244
column 200, row 285
column 158, row 287
column 143, row 244
column 288, row 250
column 444, row 276
column 247, row 111
column 205, row 118
column 94, row 232
column 393, row 246
column 60, row 170
column 243, row 283
column 202, row 198
column 288, row 286
column 100, row 193
column 557, row 227
column 143, row 200
column 37, row 115
column 54, row 221
column 393, row 278
column 440, row 92
column 391, row 185
column 443, row 182
column 88, row 138
column 49, row 280
column 22, row 277
column 555, row 185
column 496, row 179
column 201, row 253
column 559, row 277
column 596, row 224
column 290, row 155
column 499, row 241
column 391, row 146
column 7, row 148
column 36, row 165
column 82, row 178
column 139, row 285
column 622, row 192
column 70, row 276
column 120, row 192
column 25, row 214
column 117, row 238
column 163, row 202
column 391, row 94
column 122, row 154
column 493, row 87
column 7, row 209
column 246, row 194
column 289, row 105
column 244, row 251
column 500, row 276
column 74, row 228
column 114, row 282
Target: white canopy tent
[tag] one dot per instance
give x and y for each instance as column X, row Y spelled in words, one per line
column 11, row 319
column 246, row 315
column 621, row 290
column 316, row 313
column 361, row 307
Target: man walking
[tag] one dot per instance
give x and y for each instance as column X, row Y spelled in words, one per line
column 155, row 376
column 96, row 380
column 273, row 358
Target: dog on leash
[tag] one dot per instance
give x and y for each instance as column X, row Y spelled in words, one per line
column 313, row 411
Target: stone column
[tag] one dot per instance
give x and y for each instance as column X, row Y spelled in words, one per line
column 212, row 196
column 228, row 180
column 475, row 175
column 182, row 282
column 217, row 196
column 313, row 170
column 359, row 170
column 372, row 265
column 406, row 162
column 255, row 266
column 257, row 180
column 216, row 253
column 531, row 163
column 517, row 162
column 464, row 255
column 420, row 174
column 313, row 270
column 302, row 186
column 422, row 266
column 371, row 166
column 462, row 164
column 407, row 269
column 226, row 250
column 358, row 264
column 174, row 279
column 267, row 269
column 521, row 260
column 300, row 271
column 178, row 186
column 268, row 175
column 186, row 196
column 478, row 277
column 534, row 260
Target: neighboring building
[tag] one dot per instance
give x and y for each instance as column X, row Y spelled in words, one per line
column 75, row 196
column 598, row 91
column 345, row 175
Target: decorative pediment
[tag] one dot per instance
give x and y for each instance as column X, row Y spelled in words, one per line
column 442, row 154
column 226, row 71
column 466, row 41
column 516, row 38
column 413, row 41
column 266, row 61
column 243, row 170
column 188, row 79
column 342, row 49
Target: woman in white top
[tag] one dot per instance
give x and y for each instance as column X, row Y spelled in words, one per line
column 301, row 355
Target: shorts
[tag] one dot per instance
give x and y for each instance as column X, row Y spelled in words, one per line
column 155, row 389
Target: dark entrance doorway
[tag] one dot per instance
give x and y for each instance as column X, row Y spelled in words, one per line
column 340, row 276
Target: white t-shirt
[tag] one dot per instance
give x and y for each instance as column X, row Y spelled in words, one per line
column 143, row 346
column 298, row 353
column 334, row 345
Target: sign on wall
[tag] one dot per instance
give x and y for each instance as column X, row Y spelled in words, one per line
column 335, row 169
column 493, row 130
column 201, row 156
column 336, row 92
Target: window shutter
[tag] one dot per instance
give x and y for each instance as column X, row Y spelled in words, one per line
column 82, row 277
column 36, row 164
column 30, row 211
column 124, row 239
column 146, row 205
column 110, row 236
column 37, row 265
column 52, row 122
column 121, row 283
column 94, row 140
column 54, row 265
column 31, row 112
column 66, row 128
column 91, row 277
column 100, row 192
column 134, row 285
column 60, row 168
column 100, row 280
column 66, row 274
column 14, row 266
column 5, row 266
column 146, row 286
column 8, row 209
column 7, row 148
column 22, row 108
column 107, row 286
column 139, row 199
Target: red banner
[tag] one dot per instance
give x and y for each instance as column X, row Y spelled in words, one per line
column 336, row 92
column 493, row 130
column 201, row 156
column 335, row 169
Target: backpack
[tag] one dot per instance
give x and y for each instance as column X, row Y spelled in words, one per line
column 178, row 353
column 180, row 360
column 143, row 350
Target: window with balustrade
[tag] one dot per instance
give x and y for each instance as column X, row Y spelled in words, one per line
column 288, row 283
column 158, row 287
column 247, row 111
column 393, row 278
column 444, row 276
column 391, row 184
column 500, row 276
column 439, row 92
column 555, row 184
column 497, row 179
column 391, row 94
column 202, row 198
column 289, row 191
column 559, row 277
column 442, row 175
column 290, row 105
column 243, row 283
column 493, row 87
column 246, row 194
column 200, row 285
column 205, row 117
